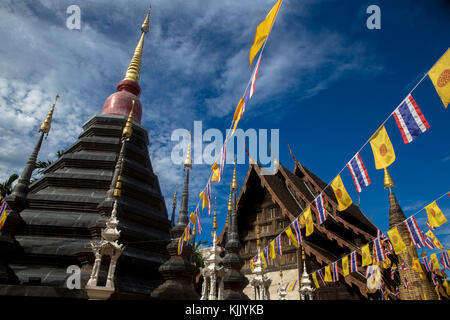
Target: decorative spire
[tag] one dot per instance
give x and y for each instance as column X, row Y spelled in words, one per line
column 188, row 161
column 258, row 239
column 46, row 125
column 128, row 129
column 234, row 184
column 133, row 71
column 215, row 215
column 388, row 182
column 118, row 187
column 174, row 206
column 292, row 155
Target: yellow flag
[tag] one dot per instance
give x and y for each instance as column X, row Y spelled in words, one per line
column 366, row 257
column 308, row 221
column 179, row 245
column 382, row 148
column 396, row 240
column 436, row 242
column 291, row 286
column 418, row 267
column 440, row 76
column 237, row 115
column 215, row 170
column 316, row 283
column 291, row 236
column 435, row 262
column 446, row 286
column 345, row 267
column 344, row 200
column 202, row 196
column 252, row 264
column 328, row 277
column 263, row 30
column 435, row 216
column 425, row 296
column 272, row 250
column 263, row 259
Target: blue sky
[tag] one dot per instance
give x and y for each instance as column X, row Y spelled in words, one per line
column 326, row 82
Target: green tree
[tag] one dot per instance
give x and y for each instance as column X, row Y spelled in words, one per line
column 6, row 186
column 197, row 258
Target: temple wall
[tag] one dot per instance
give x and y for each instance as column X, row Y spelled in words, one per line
column 288, row 276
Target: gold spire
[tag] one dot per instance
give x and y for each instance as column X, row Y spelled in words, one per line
column 174, row 202
column 188, row 161
column 134, row 68
column 118, row 188
column 234, row 184
column 45, row 126
column 303, row 254
column 388, row 182
column 215, row 215
column 258, row 240
column 128, row 129
column 230, row 204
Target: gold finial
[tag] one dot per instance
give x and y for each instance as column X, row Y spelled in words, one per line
column 46, row 125
column 174, row 202
column 215, row 214
column 128, row 129
column 118, row 188
column 133, row 71
column 188, row 161
column 230, row 204
column 388, row 182
column 234, row 184
column 258, row 240
column 303, row 253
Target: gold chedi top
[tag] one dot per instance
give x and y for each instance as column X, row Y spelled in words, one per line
column 388, row 182
column 234, row 184
column 128, row 129
column 215, row 215
column 46, row 125
column 118, row 187
column 258, row 240
column 133, row 71
column 188, row 160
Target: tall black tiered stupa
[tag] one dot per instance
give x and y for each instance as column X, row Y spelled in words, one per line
column 52, row 221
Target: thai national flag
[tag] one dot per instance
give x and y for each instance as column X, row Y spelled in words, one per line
column 435, row 280
column 279, row 245
column 199, row 222
column 379, row 251
column 335, row 272
column 430, row 226
column 353, row 262
column 414, row 231
column 297, row 231
column 403, row 267
column 410, row 120
column 426, row 262
column 358, row 172
column 429, row 242
column 266, row 254
column 392, row 273
column 445, row 259
column 250, row 90
column 322, row 212
column 406, row 283
column 321, row 277
column 397, row 293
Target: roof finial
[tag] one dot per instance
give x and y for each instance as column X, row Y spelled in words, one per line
column 133, row 71
column 188, row 161
column 292, row 155
column 118, row 188
column 128, row 129
column 45, row 126
column 388, row 182
column 234, row 184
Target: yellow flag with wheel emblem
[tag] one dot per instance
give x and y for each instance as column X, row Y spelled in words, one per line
column 202, row 196
column 418, row 267
column 344, row 200
column 435, row 262
column 215, row 170
column 308, row 221
column 436, row 242
column 328, row 277
column 396, row 240
column 366, row 257
column 263, row 30
column 345, row 266
column 316, row 283
column 272, row 250
column 435, row 216
column 440, row 76
column 291, row 236
column 382, row 148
